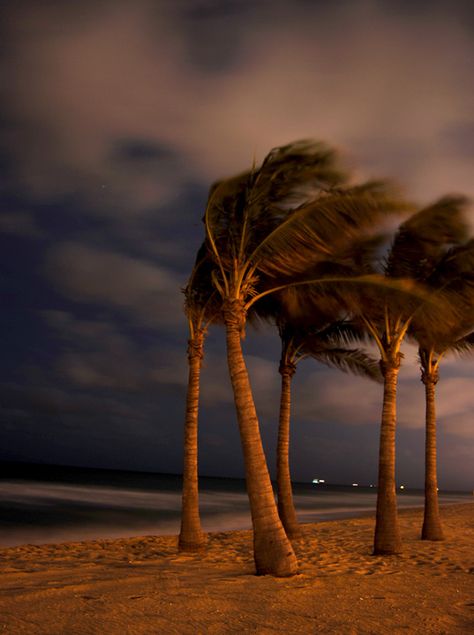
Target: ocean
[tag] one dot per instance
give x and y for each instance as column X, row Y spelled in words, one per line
column 45, row 504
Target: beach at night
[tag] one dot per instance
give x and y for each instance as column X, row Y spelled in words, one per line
column 237, row 317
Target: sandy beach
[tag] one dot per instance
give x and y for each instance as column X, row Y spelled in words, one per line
column 142, row 585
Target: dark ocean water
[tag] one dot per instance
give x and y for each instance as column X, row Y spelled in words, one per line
column 40, row 504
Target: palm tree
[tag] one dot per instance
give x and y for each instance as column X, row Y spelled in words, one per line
column 201, row 308
column 417, row 246
column 455, row 274
column 268, row 223
column 325, row 343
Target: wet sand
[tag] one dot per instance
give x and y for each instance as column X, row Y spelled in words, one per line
column 143, row 585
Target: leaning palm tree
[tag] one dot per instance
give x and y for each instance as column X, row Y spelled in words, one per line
column 326, row 343
column 201, row 308
column 454, row 273
column 418, row 245
column 269, row 224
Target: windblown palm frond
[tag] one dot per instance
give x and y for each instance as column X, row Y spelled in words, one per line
column 455, row 274
column 202, row 302
column 224, row 217
column 326, row 342
column 421, row 243
column 458, row 262
column 452, row 279
column 242, row 210
column 426, row 236
column 360, row 296
column 354, row 361
column 295, row 172
column 343, row 333
column 322, row 229
column 464, row 345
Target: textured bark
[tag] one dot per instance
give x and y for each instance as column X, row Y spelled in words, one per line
column 432, row 529
column 286, row 508
column 387, row 532
column 191, row 536
column 273, row 552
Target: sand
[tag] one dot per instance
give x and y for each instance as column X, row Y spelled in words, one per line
column 143, row 585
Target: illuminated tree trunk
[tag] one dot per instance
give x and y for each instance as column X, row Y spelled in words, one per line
column 191, row 536
column 286, row 507
column 432, row 529
column 273, row 552
column 387, row 531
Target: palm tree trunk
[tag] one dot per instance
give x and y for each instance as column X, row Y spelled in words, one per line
column 191, row 536
column 387, row 531
column 286, row 508
column 273, row 552
column 431, row 523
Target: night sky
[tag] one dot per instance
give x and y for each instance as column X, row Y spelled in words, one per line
column 116, row 117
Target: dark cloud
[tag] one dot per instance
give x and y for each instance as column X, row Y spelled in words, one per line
column 141, row 151
column 20, row 224
column 116, row 118
column 142, row 290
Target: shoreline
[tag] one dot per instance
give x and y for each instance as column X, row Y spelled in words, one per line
column 88, row 523
column 143, row 585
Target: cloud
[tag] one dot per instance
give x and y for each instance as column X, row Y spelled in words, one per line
column 98, row 354
column 109, row 83
column 154, row 76
column 172, row 370
column 216, row 388
column 333, row 397
column 20, row 224
column 328, row 396
column 142, row 290
column 20, row 403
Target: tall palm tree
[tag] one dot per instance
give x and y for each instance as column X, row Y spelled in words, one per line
column 327, row 344
column 455, row 274
column 269, row 223
column 419, row 243
column 202, row 308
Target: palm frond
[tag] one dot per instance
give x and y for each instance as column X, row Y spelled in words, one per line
column 301, row 167
column 464, row 345
column 304, row 310
column 344, row 332
column 453, row 279
column 242, row 210
column 423, row 239
column 326, row 341
column 455, row 273
column 201, row 301
column 319, row 230
column 224, row 215
column 354, row 361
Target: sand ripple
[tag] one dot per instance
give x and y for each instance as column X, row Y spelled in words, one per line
column 143, row 585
